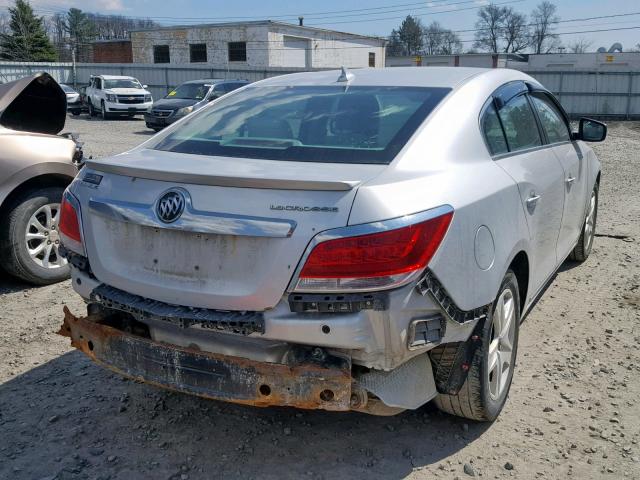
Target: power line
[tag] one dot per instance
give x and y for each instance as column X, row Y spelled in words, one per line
column 364, row 37
column 369, row 47
column 420, row 5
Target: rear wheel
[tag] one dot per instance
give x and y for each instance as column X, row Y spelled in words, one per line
column 485, row 390
column 585, row 243
column 92, row 111
column 29, row 240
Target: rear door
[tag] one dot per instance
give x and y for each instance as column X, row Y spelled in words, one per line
column 512, row 131
column 556, row 129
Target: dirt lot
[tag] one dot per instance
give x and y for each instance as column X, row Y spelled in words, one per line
column 573, row 408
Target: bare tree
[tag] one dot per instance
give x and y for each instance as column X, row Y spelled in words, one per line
column 432, row 38
column 515, row 31
column 543, row 20
column 440, row 41
column 489, row 27
column 450, row 43
column 581, row 45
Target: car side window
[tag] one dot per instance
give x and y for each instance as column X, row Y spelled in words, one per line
column 493, row 132
column 552, row 121
column 520, row 126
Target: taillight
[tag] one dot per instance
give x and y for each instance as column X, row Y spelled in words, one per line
column 69, row 224
column 378, row 260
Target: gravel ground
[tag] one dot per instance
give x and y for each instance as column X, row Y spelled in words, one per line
column 573, row 408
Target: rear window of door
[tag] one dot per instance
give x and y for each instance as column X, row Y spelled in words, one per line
column 493, row 132
column 519, row 123
column 552, row 120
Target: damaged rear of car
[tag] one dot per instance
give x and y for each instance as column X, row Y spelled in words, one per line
column 311, row 240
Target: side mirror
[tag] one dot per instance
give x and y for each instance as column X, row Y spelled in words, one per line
column 591, row 130
column 145, row 86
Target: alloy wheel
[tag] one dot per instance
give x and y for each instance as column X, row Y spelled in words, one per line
column 500, row 357
column 42, row 237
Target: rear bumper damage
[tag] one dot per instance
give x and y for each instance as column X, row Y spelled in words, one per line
column 309, row 380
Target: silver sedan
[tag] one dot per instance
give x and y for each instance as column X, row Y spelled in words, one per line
column 365, row 240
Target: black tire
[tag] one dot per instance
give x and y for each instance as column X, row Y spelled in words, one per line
column 474, row 400
column 75, row 113
column 92, row 111
column 103, row 111
column 14, row 255
column 585, row 242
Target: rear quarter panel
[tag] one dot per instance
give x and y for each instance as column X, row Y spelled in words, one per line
column 447, row 163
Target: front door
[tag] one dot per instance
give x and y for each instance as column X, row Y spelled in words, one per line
column 556, row 129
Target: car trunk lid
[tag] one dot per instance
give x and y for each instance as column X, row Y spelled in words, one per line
column 33, row 104
column 239, row 239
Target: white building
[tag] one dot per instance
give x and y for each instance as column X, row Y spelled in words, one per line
column 256, row 44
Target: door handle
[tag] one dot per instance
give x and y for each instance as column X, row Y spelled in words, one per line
column 570, row 180
column 533, row 199
column 532, row 202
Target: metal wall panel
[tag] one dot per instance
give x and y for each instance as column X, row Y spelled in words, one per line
column 610, row 94
column 613, row 94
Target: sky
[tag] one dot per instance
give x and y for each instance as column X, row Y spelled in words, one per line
column 374, row 17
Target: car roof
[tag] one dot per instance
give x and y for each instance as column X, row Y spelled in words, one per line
column 214, row 80
column 116, row 77
column 445, row 77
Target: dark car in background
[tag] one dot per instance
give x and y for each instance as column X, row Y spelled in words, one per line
column 186, row 98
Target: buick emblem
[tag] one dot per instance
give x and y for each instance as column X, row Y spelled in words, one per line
column 170, row 206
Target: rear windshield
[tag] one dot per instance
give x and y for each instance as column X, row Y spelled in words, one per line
column 331, row 124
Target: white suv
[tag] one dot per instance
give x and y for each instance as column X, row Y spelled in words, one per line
column 112, row 95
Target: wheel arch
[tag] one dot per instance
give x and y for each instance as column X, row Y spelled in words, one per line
column 39, row 181
column 520, row 267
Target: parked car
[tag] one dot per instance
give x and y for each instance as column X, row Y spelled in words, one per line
column 111, row 95
column 364, row 240
column 36, row 165
column 74, row 100
column 187, row 98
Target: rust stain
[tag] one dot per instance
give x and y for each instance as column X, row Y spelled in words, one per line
column 301, row 386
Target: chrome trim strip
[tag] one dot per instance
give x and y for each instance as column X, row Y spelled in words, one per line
column 364, row 229
column 193, row 220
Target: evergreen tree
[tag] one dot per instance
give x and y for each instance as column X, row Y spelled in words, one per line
column 27, row 40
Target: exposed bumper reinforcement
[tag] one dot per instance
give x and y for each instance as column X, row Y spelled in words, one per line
column 303, row 383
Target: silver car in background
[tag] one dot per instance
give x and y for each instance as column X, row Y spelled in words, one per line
column 365, row 240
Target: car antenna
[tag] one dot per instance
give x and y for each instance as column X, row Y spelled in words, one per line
column 345, row 76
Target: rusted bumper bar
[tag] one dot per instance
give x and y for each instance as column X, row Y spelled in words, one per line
column 304, row 383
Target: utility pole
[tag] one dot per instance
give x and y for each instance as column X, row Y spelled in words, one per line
column 73, row 62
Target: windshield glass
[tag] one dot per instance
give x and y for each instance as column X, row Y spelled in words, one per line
column 122, row 83
column 67, row 88
column 190, row 91
column 331, row 124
